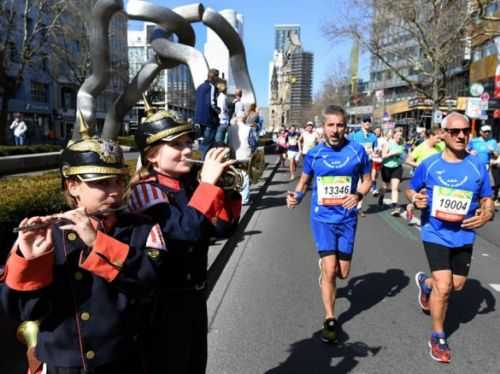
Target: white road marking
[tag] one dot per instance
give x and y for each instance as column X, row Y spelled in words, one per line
column 495, row 286
column 485, row 255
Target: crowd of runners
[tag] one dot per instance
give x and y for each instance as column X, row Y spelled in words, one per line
column 451, row 179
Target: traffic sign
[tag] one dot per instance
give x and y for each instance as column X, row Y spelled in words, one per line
column 476, row 89
column 473, row 109
column 437, row 116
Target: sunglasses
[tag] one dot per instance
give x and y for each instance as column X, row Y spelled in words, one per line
column 455, row 132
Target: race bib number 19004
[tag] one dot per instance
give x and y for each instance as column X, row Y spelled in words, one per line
column 450, row 204
column 333, row 190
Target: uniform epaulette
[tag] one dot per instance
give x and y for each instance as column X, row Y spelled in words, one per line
column 146, row 195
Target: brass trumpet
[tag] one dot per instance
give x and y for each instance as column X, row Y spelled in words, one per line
column 232, row 178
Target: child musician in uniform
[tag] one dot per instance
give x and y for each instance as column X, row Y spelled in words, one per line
column 82, row 273
column 189, row 213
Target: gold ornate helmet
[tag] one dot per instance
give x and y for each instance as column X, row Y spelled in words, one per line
column 160, row 126
column 92, row 158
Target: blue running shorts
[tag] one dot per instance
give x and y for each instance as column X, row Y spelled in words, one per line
column 334, row 238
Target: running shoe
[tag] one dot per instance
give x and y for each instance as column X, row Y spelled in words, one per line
column 423, row 292
column 375, row 192
column 439, row 350
column 329, row 332
column 396, row 212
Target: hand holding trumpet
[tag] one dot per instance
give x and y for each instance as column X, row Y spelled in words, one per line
column 215, row 164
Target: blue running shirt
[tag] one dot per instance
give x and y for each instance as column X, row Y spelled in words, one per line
column 483, row 148
column 367, row 140
column 335, row 174
column 454, row 191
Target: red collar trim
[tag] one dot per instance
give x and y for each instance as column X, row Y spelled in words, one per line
column 169, row 182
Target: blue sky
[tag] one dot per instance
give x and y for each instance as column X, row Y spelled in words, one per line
column 260, row 16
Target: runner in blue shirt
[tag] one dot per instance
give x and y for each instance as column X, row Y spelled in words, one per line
column 335, row 168
column 483, row 146
column 368, row 140
column 453, row 190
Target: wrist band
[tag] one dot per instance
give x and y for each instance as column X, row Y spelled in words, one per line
column 299, row 196
column 359, row 195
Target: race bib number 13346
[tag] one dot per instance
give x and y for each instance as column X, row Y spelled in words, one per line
column 333, row 190
column 450, row 204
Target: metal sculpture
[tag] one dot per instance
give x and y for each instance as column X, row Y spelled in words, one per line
column 171, row 54
column 168, row 54
column 101, row 65
column 237, row 54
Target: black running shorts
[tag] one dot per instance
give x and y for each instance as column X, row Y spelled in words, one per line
column 391, row 173
column 443, row 258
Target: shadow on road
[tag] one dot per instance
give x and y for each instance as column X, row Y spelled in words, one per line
column 271, row 202
column 363, row 292
column 367, row 290
column 464, row 305
column 312, row 356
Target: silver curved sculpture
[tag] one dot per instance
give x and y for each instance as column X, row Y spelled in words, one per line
column 190, row 56
column 237, row 54
column 168, row 55
column 101, row 65
column 130, row 97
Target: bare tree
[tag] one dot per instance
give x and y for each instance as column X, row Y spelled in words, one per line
column 26, row 29
column 71, row 48
column 335, row 89
column 421, row 42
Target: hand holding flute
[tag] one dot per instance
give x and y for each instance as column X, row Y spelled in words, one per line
column 35, row 233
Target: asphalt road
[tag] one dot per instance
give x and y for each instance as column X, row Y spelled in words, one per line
column 266, row 314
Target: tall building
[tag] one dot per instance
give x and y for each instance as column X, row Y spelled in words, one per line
column 216, row 51
column 47, row 95
column 172, row 89
column 281, row 39
column 485, row 63
column 290, row 79
column 396, row 102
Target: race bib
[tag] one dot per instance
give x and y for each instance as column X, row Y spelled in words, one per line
column 368, row 147
column 450, row 204
column 292, row 141
column 333, row 190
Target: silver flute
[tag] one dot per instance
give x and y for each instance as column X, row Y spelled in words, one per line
column 55, row 218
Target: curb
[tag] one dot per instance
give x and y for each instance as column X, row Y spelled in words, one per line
column 218, row 264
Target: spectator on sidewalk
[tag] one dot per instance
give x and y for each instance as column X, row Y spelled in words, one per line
column 19, row 127
column 222, row 104
column 238, row 138
column 206, row 110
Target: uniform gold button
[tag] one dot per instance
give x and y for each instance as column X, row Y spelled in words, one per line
column 72, row 236
column 85, row 316
column 78, row 276
column 188, row 277
column 118, row 263
column 153, row 254
column 190, row 249
column 90, row 355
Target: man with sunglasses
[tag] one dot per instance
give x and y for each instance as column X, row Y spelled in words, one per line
column 454, row 192
column 335, row 168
